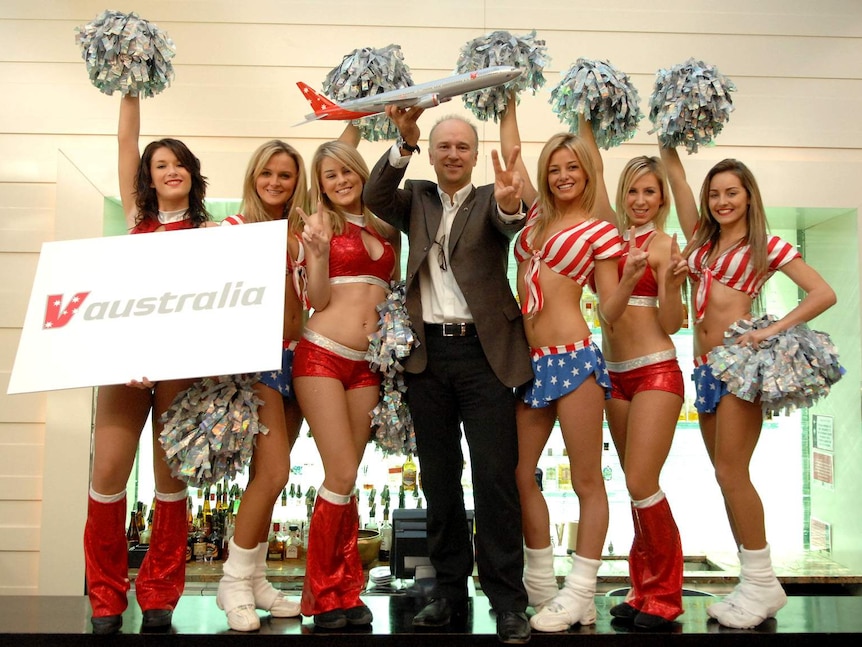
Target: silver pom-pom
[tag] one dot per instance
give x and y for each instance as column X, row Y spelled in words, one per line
column 126, row 54
column 391, row 343
column 690, row 104
column 526, row 52
column 788, row 371
column 210, row 429
column 364, row 73
column 604, row 95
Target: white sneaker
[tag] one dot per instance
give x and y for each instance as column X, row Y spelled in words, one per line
column 723, row 605
column 281, row 607
column 745, row 612
column 555, row 617
column 235, row 598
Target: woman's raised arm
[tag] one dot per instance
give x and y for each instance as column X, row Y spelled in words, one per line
column 128, row 133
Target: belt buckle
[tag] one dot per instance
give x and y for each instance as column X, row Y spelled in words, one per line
column 454, row 329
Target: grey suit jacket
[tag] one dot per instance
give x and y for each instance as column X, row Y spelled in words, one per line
column 477, row 252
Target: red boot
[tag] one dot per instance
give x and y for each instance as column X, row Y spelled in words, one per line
column 661, row 586
column 333, row 570
column 354, row 576
column 638, row 566
column 106, row 557
column 325, row 571
column 162, row 576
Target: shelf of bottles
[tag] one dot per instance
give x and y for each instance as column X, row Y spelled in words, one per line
column 384, row 483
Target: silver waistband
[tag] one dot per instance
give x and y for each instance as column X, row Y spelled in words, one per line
column 333, row 346
column 649, row 302
column 640, row 362
column 362, row 278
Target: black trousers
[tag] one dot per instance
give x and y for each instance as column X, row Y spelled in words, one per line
column 458, row 386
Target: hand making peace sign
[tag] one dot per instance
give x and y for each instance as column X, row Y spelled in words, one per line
column 636, row 261
column 508, row 183
column 317, row 232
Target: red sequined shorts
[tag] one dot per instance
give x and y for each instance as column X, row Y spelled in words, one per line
column 653, row 372
column 319, row 356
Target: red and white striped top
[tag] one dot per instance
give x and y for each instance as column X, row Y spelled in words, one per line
column 735, row 270
column 571, row 252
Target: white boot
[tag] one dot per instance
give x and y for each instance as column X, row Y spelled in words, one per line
column 266, row 596
column 723, row 606
column 576, row 601
column 759, row 595
column 235, row 595
column 539, row 578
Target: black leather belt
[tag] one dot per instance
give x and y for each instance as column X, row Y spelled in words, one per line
column 451, row 329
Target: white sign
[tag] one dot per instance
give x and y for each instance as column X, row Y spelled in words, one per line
column 823, row 436
column 169, row 305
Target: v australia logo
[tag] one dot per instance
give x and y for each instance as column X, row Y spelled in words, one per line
column 57, row 316
column 230, row 295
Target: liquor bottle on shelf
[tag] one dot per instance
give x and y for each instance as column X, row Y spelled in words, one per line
column 401, row 496
column 228, row 534
column 213, row 543
column 276, row 543
column 207, row 510
column 199, row 546
column 189, row 515
column 408, row 474
column 372, row 517
column 148, row 531
column 293, row 545
column 564, row 476
column 133, row 535
column 385, row 535
column 310, row 495
column 140, row 516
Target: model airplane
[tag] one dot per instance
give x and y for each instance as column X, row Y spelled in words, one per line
column 423, row 95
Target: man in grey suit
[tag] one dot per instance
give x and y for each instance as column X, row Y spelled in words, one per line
column 472, row 353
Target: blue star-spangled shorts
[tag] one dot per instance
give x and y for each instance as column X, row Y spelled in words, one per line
column 708, row 388
column 559, row 370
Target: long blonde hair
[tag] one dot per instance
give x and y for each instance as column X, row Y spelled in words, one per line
column 253, row 209
column 350, row 157
column 546, row 199
column 634, row 170
column 708, row 228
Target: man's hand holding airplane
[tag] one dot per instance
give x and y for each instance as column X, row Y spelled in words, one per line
column 405, row 120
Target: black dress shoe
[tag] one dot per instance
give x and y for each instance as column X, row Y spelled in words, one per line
column 440, row 612
column 624, row 611
column 106, row 625
column 156, row 620
column 513, row 628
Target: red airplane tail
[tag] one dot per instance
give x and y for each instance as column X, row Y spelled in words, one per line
column 319, row 103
